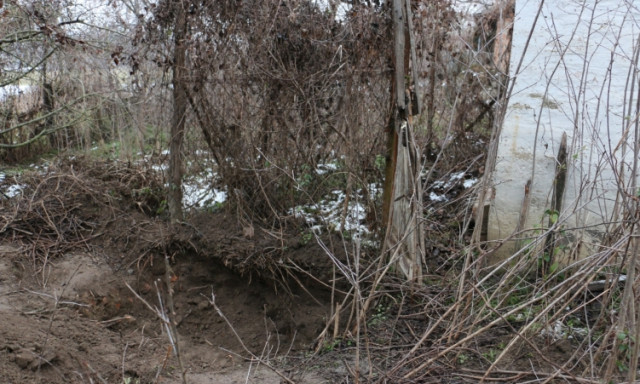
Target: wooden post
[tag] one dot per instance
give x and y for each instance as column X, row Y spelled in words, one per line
column 559, row 182
column 504, row 33
column 402, row 210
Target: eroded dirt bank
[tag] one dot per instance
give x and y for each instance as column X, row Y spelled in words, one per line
column 79, row 247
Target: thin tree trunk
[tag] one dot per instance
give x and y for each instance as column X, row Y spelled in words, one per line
column 390, row 167
column 178, row 121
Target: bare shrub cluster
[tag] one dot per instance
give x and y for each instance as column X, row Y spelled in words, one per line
column 277, row 88
column 62, row 87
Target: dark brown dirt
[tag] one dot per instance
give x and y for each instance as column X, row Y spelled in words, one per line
column 76, row 320
column 67, row 314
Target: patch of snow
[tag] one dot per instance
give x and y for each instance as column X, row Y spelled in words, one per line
column 558, row 331
column 471, row 7
column 603, row 282
column 14, row 190
column 435, row 197
column 200, row 195
column 442, row 186
column 160, row 167
column 329, row 213
column 14, row 89
column 456, row 176
column 375, row 189
column 197, row 190
column 467, row 10
column 342, row 9
column 324, row 168
column 469, row 183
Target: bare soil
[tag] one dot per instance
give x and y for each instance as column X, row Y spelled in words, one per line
column 71, row 301
column 76, row 320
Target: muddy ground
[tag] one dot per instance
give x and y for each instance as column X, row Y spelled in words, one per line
column 82, row 274
column 76, row 320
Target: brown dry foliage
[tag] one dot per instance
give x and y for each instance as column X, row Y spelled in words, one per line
column 68, row 205
column 278, row 88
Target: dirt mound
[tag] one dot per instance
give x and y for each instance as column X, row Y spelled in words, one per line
column 85, row 323
column 80, row 250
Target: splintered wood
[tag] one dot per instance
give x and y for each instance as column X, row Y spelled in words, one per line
column 404, row 239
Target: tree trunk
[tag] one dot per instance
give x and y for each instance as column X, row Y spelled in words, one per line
column 179, row 111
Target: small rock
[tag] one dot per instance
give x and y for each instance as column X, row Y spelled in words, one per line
column 48, row 358
column 24, row 358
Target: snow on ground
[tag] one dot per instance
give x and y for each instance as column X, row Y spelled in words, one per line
column 14, row 89
column 467, row 11
column 439, row 189
column 342, row 8
column 436, row 197
column 197, row 188
column 469, row 182
column 200, row 196
column 558, row 331
column 325, row 168
column 198, row 191
column 160, row 167
column 471, row 7
column 14, row 190
column 9, row 190
column 327, row 214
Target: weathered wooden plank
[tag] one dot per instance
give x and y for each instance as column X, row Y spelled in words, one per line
column 403, row 194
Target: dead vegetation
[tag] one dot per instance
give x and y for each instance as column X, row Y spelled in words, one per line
column 310, row 90
column 502, row 326
column 69, row 204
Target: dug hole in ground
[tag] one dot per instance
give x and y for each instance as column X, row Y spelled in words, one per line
column 83, row 270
